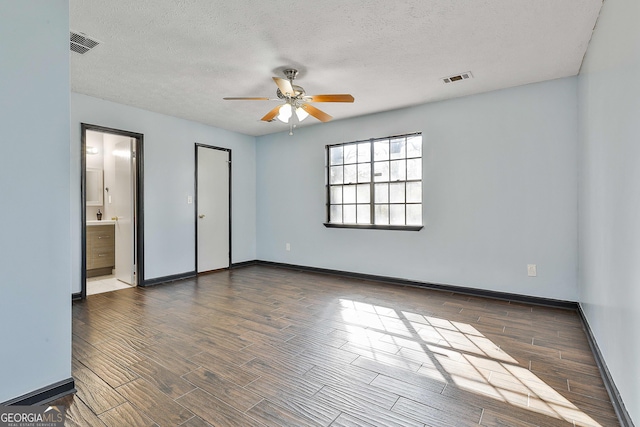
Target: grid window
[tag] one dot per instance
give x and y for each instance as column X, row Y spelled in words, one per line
column 375, row 183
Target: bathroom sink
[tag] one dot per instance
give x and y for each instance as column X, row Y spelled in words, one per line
column 103, row 222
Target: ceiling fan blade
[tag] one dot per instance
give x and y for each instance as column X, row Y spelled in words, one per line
column 246, row 99
column 285, row 86
column 271, row 114
column 318, row 114
column 341, row 97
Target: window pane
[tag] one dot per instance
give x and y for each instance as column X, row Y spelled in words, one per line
column 349, row 214
column 381, row 171
column 414, row 146
column 393, row 166
column 398, row 148
column 364, row 193
column 414, row 214
column 335, row 155
column 364, row 214
column 335, row 213
column 396, row 192
column 350, row 174
column 382, row 193
column 397, row 170
column 350, row 153
column 349, row 194
column 414, row 192
column 335, row 195
column 382, row 214
column 364, row 152
column 364, row 172
column 396, row 214
column 381, row 150
column 335, row 175
column 414, row 169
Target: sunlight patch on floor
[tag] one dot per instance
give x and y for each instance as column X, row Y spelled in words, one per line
column 458, row 351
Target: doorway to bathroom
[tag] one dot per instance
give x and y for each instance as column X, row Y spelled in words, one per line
column 112, row 239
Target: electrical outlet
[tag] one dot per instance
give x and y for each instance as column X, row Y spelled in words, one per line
column 189, row 200
column 288, row 246
column 532, row 270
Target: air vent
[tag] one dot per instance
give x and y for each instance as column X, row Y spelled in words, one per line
column 458, row 77
column 81, row 43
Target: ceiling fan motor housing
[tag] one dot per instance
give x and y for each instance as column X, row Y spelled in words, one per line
column 299, row 92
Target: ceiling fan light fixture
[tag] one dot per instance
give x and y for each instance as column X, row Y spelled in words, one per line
column 285, row 113
column 301, row 113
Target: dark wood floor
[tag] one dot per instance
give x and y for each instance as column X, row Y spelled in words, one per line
column 266, row 346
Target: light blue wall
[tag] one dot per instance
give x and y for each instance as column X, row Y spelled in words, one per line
column 500, row 192
column 169, row 228
column 609, row 193
column 35, row 259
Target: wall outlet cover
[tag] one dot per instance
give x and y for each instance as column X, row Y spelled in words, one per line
column 532, row 270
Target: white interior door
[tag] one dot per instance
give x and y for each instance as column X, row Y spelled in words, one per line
column 122, row 202
column 213, row 209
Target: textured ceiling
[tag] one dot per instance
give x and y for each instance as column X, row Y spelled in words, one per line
column 181, row 57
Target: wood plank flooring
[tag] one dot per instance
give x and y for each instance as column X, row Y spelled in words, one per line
column 265, row 346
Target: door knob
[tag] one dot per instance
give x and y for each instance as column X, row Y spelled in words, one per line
column 201, row 216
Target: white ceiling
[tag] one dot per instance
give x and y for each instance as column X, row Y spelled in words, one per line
column 181, row 57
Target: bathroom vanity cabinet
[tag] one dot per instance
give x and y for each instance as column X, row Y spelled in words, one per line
column 101, row 254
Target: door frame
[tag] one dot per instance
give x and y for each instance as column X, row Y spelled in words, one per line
column 195, row 213
column 138, row 202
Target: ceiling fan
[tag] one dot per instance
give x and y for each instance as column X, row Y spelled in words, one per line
column 296, row 105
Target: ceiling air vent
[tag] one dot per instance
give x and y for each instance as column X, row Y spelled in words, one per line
column 81, row 43
column 458, row 77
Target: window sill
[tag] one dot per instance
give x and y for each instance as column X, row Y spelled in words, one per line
column 375, row 227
